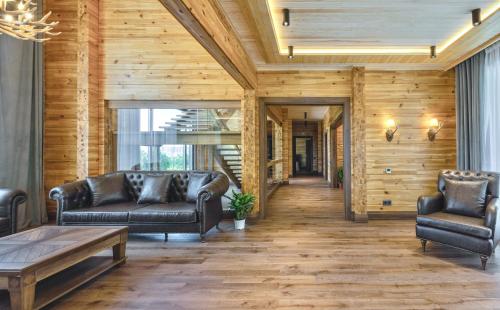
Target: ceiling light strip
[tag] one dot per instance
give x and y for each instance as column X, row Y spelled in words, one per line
column 283, row 49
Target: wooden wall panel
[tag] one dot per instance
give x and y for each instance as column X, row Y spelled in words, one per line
column 340, row 146
column 148, row 55
column 411, row 98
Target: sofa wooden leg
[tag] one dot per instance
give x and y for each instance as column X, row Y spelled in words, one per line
column 423, row 242
column 202, row 238
column 484, row 259
column 217, row 226
column 166, row 237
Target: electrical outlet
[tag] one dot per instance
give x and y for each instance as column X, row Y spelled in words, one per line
column 387, row 202
column 388, row 170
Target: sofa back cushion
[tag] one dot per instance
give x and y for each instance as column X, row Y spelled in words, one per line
column 465, row 197
column 493, row 178
column 108, row 189
column 156, row 189
column 196, row 181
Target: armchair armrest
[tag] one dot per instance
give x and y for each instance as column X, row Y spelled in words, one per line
column 430, row 204
column 10, row 199
column 70, row 196
column 209, row 203
column 492, row 218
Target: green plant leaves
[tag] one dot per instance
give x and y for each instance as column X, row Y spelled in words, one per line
column 241, row 204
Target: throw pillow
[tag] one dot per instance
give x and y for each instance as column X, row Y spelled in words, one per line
column 155, row 189
column 465, row 197
column 196, row 181
column 108, row 189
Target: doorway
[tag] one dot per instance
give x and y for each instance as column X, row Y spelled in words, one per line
column 302, row 155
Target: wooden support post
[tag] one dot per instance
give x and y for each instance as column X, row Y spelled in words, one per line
column 285, row 144
column 358, row 130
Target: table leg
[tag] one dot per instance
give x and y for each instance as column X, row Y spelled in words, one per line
column 120, row 248
column 22, row 292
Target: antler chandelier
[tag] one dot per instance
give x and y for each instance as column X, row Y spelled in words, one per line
column 17, row 20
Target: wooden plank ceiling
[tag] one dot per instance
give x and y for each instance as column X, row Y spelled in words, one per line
column 325, row 27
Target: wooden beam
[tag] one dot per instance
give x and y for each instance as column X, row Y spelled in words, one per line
column 259, row 20
column 276, row 117
column 246, row 11
column 205, row 20
column 477, row 39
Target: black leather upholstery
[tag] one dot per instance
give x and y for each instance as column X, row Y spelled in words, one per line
column 196, row 181
column 200, row 216
column 465, row 197
column 174, row 212
column 472, row 226
column 477, row 234
column 108, row 189
column 10, row 200
column 156, row 189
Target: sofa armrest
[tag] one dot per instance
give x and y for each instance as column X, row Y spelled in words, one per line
column 430, row 204
column 215, row 188
column 10, row 199
column 209, row 203
column 70, row 196
column 492, row 218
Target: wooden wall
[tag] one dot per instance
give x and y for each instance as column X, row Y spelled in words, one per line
column 340, row 146
column 148, row 55
column 412, row 98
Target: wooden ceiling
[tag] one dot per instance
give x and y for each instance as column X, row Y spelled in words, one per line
column 320, row 28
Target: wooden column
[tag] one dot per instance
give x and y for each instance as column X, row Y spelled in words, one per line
column 320, row 147
column 250, row 139
column 285, row 144
column 358, row 151
column 278, row 151
column 87, row 148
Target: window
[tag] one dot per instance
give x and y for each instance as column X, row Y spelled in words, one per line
column 179, row 139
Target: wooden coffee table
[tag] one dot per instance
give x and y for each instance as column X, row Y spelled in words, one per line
column 40, row 265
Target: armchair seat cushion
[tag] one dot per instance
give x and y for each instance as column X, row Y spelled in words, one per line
column 174, row 212
column 471, row 226
column 4, row 224
column 113, row 213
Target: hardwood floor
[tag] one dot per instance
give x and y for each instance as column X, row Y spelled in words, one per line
column 302, row 256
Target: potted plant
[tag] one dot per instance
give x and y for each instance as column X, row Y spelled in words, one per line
column 242, row 205
column 340, row 175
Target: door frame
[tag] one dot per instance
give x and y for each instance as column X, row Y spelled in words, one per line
column 345, row 102
column 310, row 156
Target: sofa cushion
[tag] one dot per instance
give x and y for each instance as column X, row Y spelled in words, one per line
column 465, row 197
column 196, row 181
column 174, row 212
column 112, row 213
column 155, row 189
column 4, row 224
column 471, row 226
column 108, row 189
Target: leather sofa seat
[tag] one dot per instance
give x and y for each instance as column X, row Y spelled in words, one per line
column 173, row 212
column 115, row 213
column 456, row 223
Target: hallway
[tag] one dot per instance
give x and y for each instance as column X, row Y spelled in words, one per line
column 304, row 255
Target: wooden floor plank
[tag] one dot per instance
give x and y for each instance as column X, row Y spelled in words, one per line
column 302, row 256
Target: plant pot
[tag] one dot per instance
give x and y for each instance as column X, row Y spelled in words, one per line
column 239, row 224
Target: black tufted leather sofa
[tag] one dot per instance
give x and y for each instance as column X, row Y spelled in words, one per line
column 10, row 199
column 476, row 234
column 176, row 216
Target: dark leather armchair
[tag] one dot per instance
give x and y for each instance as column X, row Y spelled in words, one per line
column 478, row 234
column 10, row 199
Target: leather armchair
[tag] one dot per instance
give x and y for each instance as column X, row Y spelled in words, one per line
column 10, row 199
column 476, row 234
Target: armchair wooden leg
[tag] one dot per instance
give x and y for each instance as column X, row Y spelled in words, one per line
column 423, row 242
column 484, row 259
column 166, row 237
column 202, row 238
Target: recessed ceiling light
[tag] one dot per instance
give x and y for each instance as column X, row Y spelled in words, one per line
column 476, row 17
column 433, row 51
column 290, row 52
column 286, row 17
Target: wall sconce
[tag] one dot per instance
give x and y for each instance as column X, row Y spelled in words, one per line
column 434, row 128
column 391, row 129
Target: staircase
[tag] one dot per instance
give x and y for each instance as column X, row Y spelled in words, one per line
column 228, row 156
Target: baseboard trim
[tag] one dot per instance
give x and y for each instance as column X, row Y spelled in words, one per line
column 360, row 218
column 392, row 215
